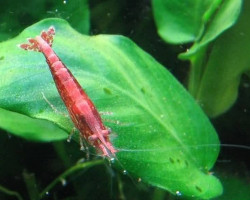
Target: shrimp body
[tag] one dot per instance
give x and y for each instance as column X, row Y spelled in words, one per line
column 81, row 109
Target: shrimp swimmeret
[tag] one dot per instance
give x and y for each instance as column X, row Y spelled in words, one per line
column 81, row 109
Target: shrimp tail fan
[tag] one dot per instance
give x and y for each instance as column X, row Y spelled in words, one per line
column 33, row 45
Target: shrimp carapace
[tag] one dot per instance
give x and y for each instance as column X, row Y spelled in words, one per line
column 81, row 109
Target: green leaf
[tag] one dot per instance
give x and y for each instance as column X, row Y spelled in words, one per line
column 27, row 12
column 225, row 17
column 215, row 77
column 30, row 129
column 182, row 21
column 163, row 136
column 75, row 12
column 235, row 187
column 194, row 20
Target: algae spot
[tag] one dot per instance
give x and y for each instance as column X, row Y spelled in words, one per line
column 143, row 90
column 171, row 160
column 40, row 111
column 107, row 91
column 1, row 57
column 198, row 188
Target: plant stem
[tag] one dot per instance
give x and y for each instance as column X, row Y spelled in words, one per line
column 159, row 194
column 61, row 152
column 30, row 181
column 78, row 166
column 10, row 192
column 198, row 64
column 120, row 187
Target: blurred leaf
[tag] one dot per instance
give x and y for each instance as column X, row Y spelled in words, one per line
column 215, row 73
column 16, row 14
column 107, row 17
column 182, row 21
column 163, row 137
column 226, row 16
column 236, row 188
column 194, row 20
column 75, row 12
column 30, row 129
column 215, row 76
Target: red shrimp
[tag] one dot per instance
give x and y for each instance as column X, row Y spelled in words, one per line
column 81, row 109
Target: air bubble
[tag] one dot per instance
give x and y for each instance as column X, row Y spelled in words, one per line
column 82, row 160
column 112, row 160
column 47, row 193
column 64, row 2
column 125, row 172
column 139, row 180
column 178, row 193
column 82, row 148
column 64, row 182
column 210, row 173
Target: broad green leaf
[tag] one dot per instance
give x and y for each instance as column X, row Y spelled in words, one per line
column 214, row 74
column 225, row 17
column 30, row 129
column 163, row 137
column 184, row 20
column 215, row 77
column 194, row 20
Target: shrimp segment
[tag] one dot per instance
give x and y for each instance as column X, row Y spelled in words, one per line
column 81, row 109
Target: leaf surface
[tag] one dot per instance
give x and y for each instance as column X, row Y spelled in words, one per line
column 215, row 76
column 162, row 136
column 194, row 20
column 217, row 60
